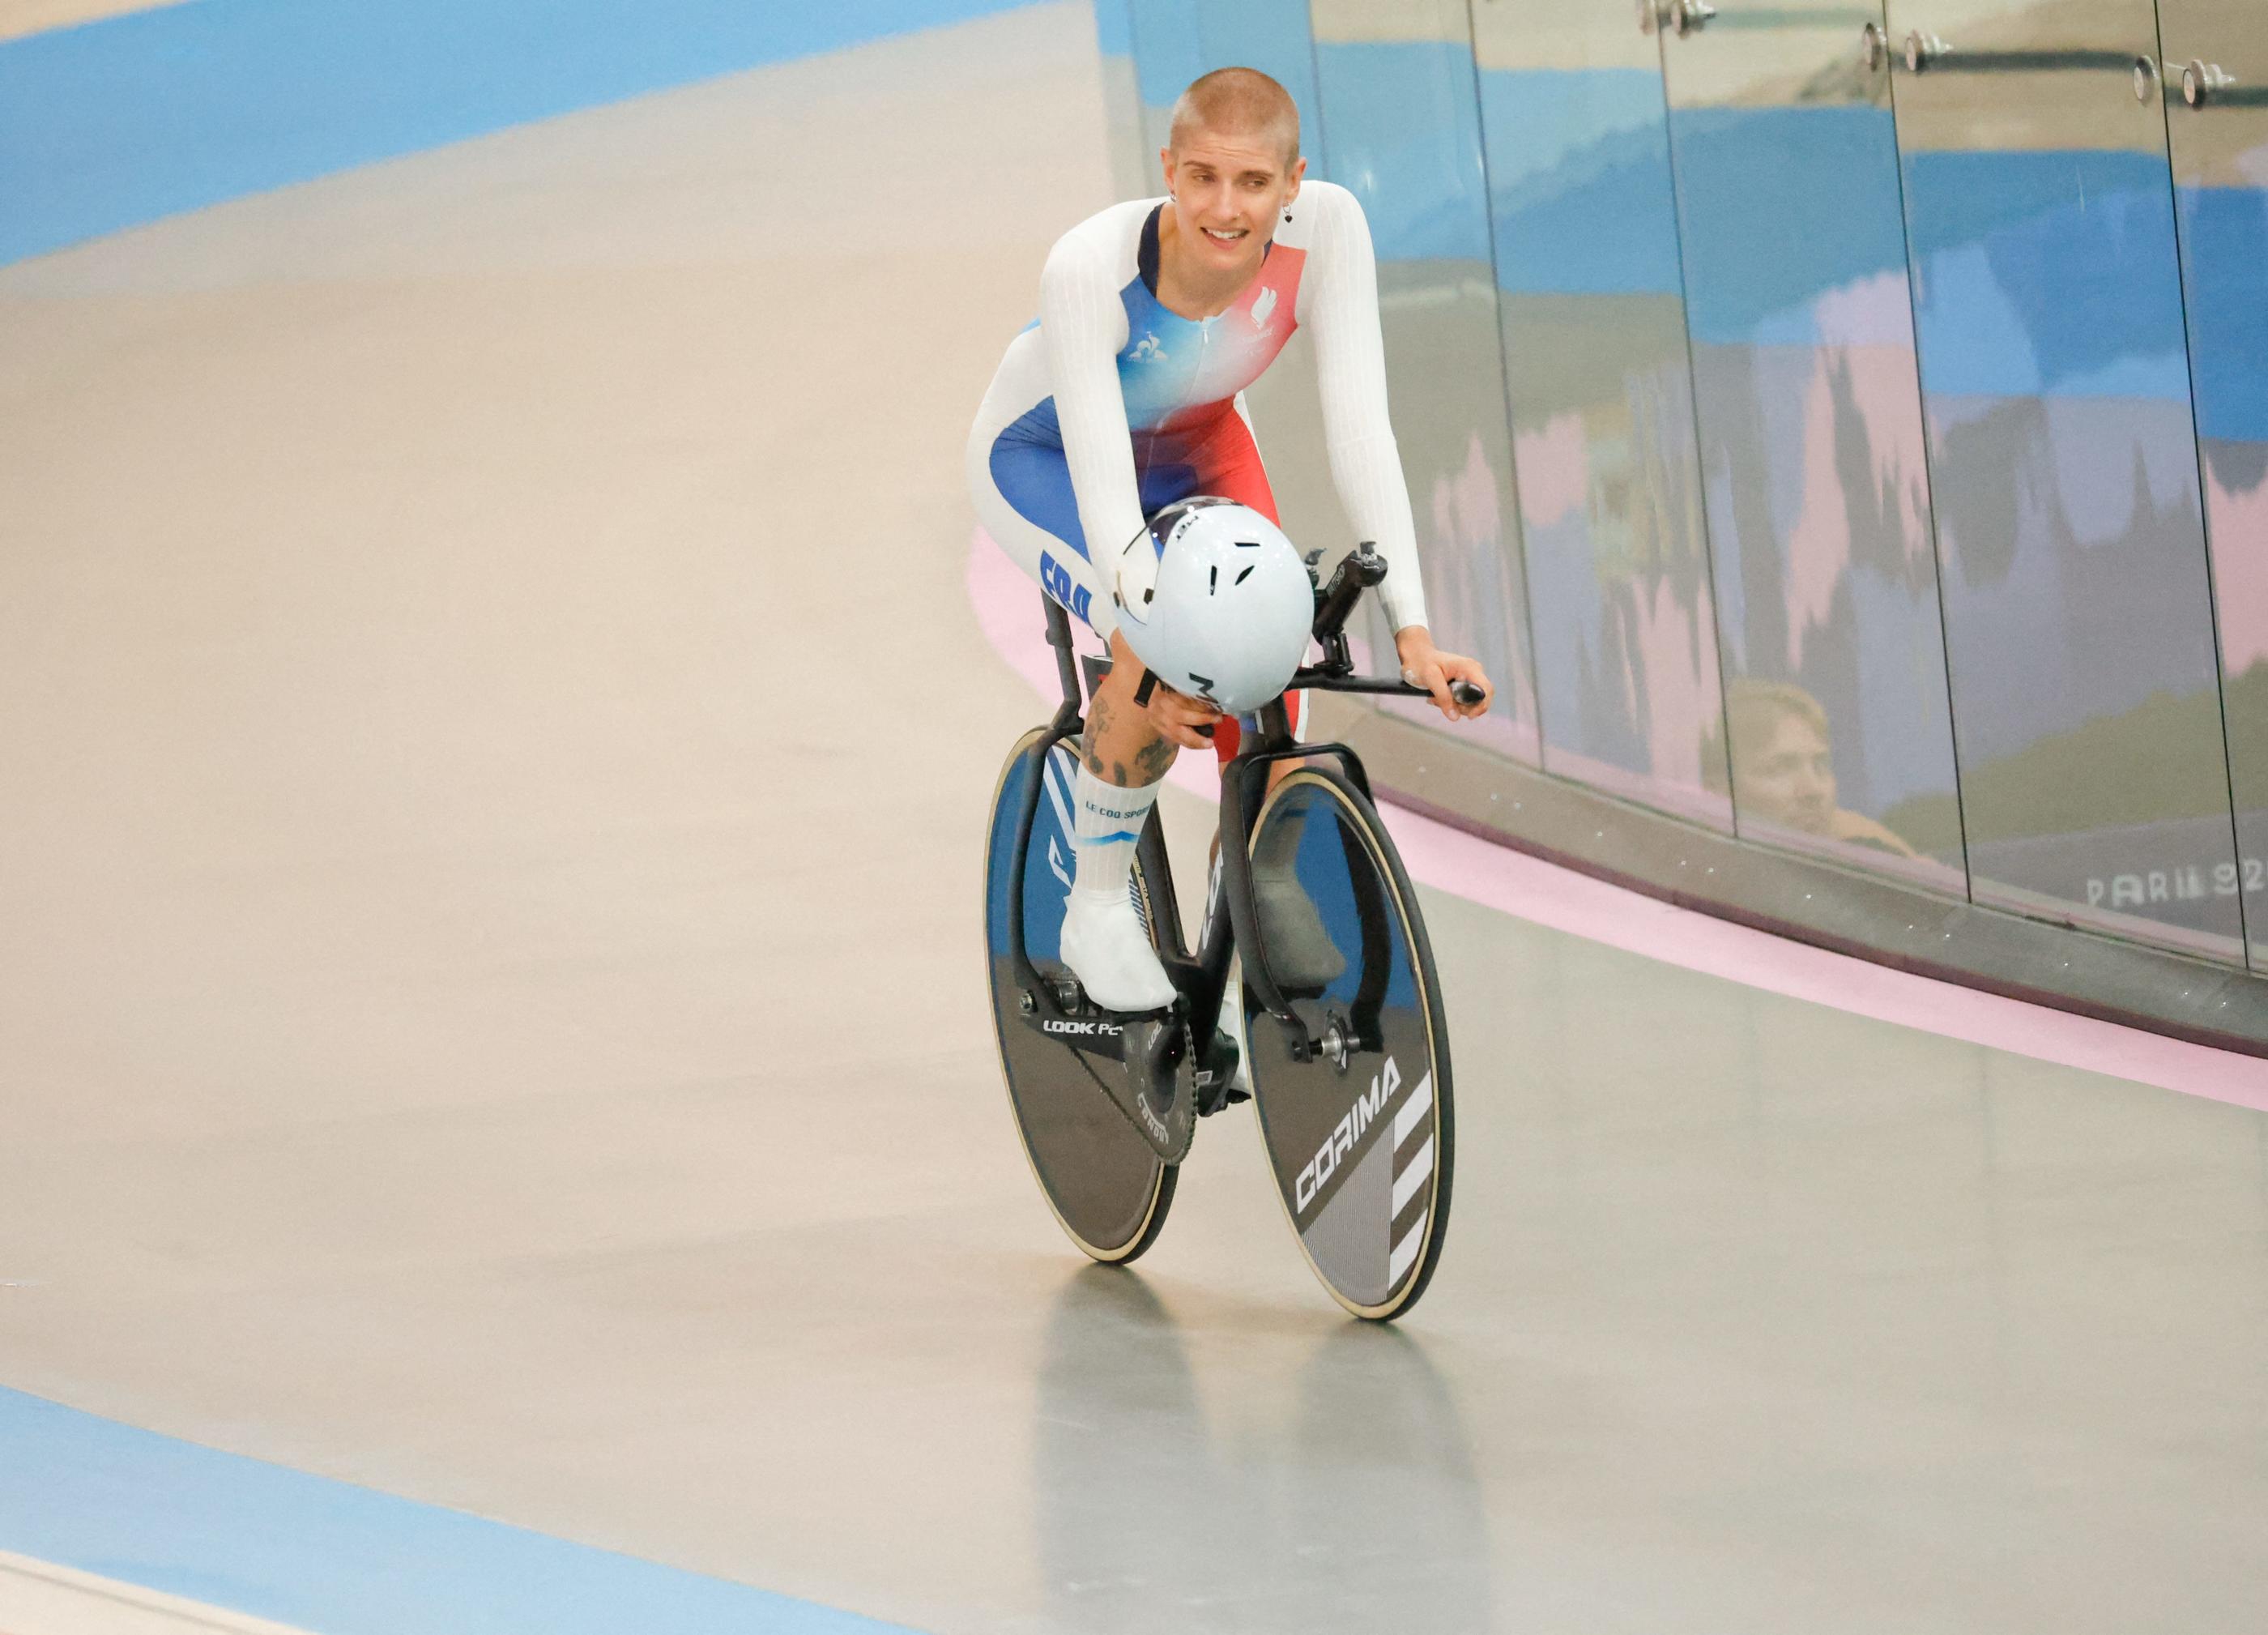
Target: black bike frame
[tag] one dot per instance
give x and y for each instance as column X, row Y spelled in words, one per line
column 1232, row 916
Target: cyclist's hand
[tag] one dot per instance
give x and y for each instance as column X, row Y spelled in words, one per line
column 1426, row 666
column 1180, row 718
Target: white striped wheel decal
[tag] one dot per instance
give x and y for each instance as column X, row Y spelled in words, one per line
column 1410, row 1174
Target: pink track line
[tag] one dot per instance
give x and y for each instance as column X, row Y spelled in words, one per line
column 1544, row 894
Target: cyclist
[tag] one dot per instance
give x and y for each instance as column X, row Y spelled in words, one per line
column 1125, row 397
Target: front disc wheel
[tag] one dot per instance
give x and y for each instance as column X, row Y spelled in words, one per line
column 1105, row 1185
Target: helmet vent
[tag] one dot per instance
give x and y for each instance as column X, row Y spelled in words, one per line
column 1220, row 597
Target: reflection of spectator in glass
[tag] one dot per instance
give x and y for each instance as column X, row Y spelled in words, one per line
column 1784, row 769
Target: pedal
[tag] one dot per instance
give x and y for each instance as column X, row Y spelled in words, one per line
column 1217, row 1084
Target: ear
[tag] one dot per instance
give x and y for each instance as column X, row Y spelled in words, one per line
column 1299, row 174
column 1166, row 165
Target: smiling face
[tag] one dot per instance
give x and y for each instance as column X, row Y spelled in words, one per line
column 1228, row 189
column 1232, row 165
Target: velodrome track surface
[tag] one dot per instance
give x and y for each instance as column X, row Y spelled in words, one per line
column 499, row 744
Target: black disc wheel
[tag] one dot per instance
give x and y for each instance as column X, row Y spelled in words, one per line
column 1359, row 1136
column 1107, row 1186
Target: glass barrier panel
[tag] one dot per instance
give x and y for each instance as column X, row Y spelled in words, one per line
column 1395, row 79
column 1817, row 483
column 1592, row 313
column 1168, row 53
column 2216, row 78
column 1173, row 42
column 2063, row 465
column 1122, row 99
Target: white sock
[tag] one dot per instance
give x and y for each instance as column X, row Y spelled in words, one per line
column 1108, row 822
column 1103, row 940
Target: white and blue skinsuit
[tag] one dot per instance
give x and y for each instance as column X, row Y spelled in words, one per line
column 1111, row 407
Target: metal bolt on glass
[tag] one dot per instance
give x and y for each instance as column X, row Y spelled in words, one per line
column 2200, row 80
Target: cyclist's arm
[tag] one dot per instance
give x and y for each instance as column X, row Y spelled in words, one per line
column 1082, row 324
column 1350, row 362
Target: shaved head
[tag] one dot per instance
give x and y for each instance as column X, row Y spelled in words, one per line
column 1241, row 102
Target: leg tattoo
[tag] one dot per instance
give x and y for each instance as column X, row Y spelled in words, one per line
column 1111, row 732
column 1152, row 761
column 1098, row 725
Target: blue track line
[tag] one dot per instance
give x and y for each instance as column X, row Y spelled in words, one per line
column 87, row 1492
column 132, row 118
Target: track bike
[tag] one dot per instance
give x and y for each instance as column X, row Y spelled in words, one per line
column 1310, row 919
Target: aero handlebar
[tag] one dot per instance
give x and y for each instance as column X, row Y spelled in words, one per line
column 1361, row 568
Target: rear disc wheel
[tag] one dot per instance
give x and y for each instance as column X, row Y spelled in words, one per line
column 1360, row 1137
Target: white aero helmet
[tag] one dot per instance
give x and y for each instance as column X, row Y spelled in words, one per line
column 1214, row 599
